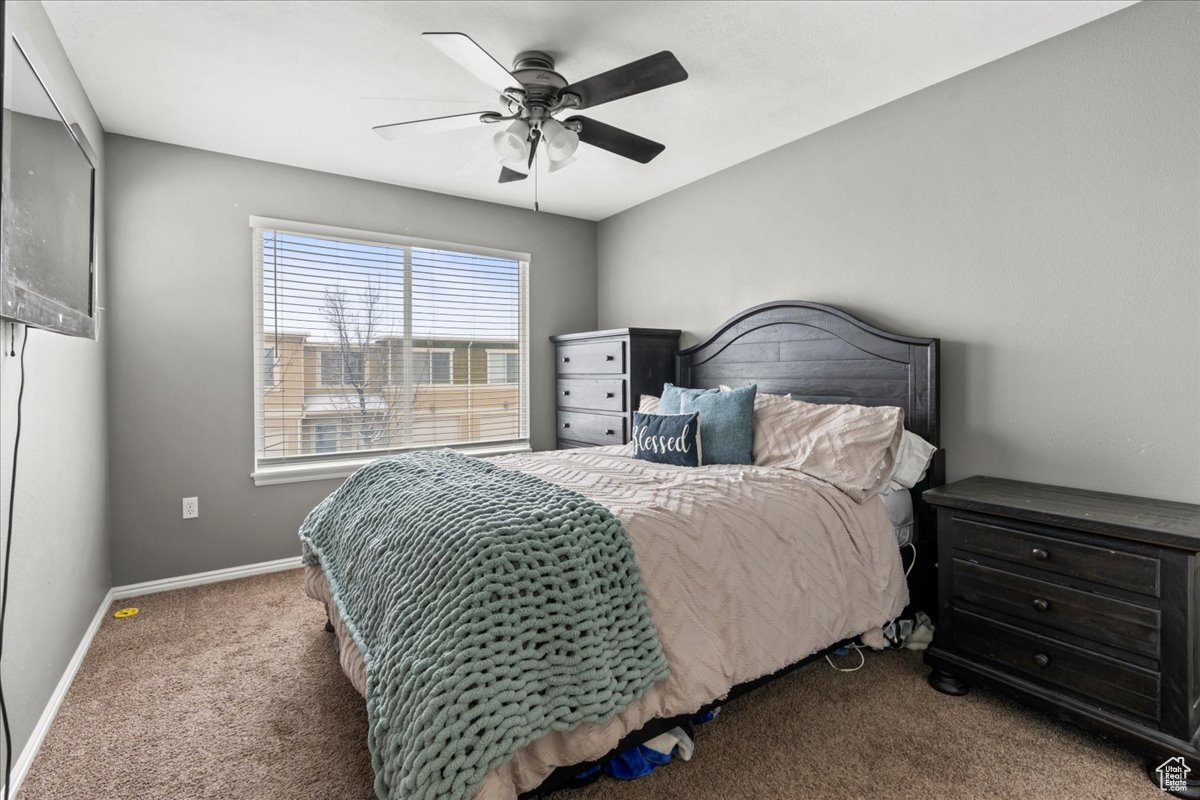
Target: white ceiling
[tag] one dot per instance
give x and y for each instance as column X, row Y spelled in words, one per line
column 299, row 82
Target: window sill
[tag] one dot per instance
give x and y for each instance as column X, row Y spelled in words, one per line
column 329, row 470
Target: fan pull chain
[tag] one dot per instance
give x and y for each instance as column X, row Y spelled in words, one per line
column 536, row 208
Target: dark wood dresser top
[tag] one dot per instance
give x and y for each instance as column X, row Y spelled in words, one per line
column 567, row 337
column 1160, row 522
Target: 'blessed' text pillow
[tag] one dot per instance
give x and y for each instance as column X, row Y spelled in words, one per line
column 667, row 439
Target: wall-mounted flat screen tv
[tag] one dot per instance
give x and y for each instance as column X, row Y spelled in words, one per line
column 47, row 202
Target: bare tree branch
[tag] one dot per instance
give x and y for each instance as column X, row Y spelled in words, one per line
column 358, row 322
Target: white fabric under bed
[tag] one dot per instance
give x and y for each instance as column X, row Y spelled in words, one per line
column 899, row 505
column 746, row 570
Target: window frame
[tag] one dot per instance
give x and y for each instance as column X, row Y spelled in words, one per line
column 431, row 351
column 308, row 467
column 319, row 423
column 506, row 351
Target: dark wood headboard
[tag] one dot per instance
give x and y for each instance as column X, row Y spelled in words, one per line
column 822, row 355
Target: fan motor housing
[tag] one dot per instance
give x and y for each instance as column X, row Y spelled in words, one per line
column 535, row 70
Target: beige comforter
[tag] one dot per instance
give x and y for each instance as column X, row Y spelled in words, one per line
column 747, row 570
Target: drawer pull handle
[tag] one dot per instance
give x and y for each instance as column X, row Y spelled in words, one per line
column 566, row 393
column 1042, row 660
column 609, row 358
column 1041, row 605
column 566, row 424
column 608, row 395
column 1039, row 554
column 566, row 359
column 609, row 431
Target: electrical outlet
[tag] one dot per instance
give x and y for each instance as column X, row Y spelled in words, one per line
column 191, row 507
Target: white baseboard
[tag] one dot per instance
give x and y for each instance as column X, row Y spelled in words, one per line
column 200, row 578
column 29, row 752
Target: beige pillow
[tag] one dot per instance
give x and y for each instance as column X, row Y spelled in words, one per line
column 648, row 404
column 852, row 447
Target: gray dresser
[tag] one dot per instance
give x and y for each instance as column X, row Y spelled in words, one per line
column 601, row 375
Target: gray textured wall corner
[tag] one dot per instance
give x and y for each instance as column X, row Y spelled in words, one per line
column 1038, row 214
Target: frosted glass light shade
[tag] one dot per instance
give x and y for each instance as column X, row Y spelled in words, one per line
column 512, row 143
column 560, row 143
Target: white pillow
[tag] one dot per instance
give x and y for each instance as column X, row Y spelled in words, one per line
column 648, row 404
column 912, row 459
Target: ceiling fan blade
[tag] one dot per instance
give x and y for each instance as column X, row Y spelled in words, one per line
column 419, row 127
column 509, row 175
column 615, row 140
column 463, row 50
column 651, row 72
column 481, row 159
column 440, row 101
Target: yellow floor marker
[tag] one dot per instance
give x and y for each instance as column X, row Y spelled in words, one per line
column 126, row 612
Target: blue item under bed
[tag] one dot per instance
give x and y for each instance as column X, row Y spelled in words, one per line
column 640, row 760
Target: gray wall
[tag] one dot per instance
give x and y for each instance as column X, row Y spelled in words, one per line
column 1040, row 214
column 60, row 547
column 180, row 379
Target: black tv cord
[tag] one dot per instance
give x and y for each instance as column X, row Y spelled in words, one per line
column 8, row 536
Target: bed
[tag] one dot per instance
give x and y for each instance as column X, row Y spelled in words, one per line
column 748, row 572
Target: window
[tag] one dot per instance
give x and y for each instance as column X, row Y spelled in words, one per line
column 343, row 367
column 325, row 437
column 376, row 343
column 432, row 366
column 504, row 366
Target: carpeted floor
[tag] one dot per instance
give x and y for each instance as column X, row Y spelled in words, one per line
column 233, row 691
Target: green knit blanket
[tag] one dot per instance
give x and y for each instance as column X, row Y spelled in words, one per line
column 491, row 608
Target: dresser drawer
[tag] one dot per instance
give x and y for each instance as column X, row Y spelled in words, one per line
column 598, row 395
column 592, row 358
column 1103, row 619
column 1111, row 682
column 591, row 428
column 998, row 539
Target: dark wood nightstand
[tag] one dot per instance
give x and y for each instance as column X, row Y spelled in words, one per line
column 601, row 375
column 1082, row 604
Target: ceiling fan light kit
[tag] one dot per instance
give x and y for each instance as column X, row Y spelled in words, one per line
column 561, row 141
column 533, row 93
column 512, row 143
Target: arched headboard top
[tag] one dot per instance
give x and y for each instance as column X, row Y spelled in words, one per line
column 823, row 355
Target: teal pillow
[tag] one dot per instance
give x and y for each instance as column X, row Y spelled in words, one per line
column 726, row 424
column 672, row 395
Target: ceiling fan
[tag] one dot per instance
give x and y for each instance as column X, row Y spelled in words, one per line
column 533, row 95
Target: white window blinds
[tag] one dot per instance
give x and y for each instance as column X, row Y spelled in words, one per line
column 370, row 343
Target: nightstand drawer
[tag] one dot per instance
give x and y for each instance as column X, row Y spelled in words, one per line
column 999, row 539
column 589, row 358
column 1104, row 679
column 591, row 428
column 1049, row 605
column 606, row 394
